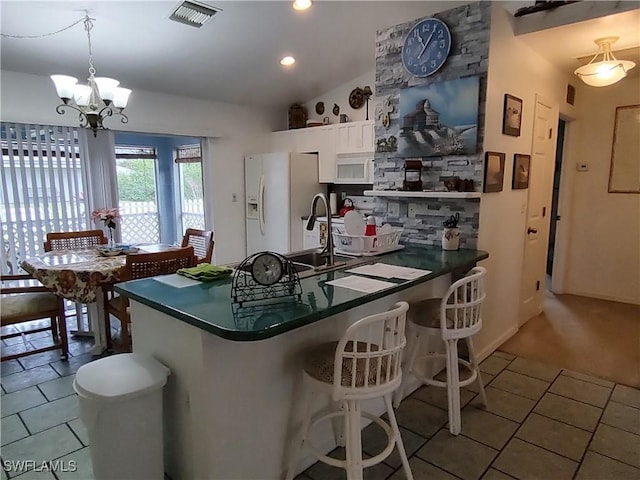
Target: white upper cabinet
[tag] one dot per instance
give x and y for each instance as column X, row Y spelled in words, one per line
column 355, row 137
column 328, row 141
column 283, row 141
column 327, row 154
column 307, row 140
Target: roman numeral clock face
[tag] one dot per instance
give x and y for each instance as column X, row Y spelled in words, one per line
column 426, row 47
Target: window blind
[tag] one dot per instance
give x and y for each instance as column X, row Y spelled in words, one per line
column 42, row 188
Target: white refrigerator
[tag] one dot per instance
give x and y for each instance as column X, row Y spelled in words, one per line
column 279, row 188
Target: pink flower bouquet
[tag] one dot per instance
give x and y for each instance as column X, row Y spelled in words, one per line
column 108, row 216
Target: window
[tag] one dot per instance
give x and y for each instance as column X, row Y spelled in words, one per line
column 137, row 193
column 191, row 194
column 42, row 188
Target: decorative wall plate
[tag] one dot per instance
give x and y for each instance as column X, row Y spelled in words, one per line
column 356, row 98
column 320, row 108
column 336, row 109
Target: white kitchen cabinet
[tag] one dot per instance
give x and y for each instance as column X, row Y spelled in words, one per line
column 321, row 140
column 283, row 141
column 308, row 140
column 355, row 137
column 327, row 154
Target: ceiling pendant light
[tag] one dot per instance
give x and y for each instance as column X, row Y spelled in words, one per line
column 607, row 71
column 100, row 99
column 301, row 4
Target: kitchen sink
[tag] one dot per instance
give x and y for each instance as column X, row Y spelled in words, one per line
column 315, row 259
column 311, row 262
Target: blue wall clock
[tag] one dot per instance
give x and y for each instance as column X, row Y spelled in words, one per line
column 426, row 47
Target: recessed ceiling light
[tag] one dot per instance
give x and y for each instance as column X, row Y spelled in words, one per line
column 286, row 61
column 301, row 4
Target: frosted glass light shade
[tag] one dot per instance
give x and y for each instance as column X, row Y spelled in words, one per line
column 602, row 74
column 106, row 87
column 301, row 4
column 64, row 85
column 608, row 70
column 82, row 95
column 121, row 97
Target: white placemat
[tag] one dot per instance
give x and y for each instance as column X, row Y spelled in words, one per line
column 384, row 270
column 361, row 284
column 176, row 281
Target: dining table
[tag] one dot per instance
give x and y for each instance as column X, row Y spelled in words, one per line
column 79, row 275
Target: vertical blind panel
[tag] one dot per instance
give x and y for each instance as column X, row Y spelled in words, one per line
column 42, row 188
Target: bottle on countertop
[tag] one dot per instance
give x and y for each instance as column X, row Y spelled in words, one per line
column 370, row 229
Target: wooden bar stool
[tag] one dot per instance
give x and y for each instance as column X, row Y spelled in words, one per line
column 364, row 364
column 453, row 317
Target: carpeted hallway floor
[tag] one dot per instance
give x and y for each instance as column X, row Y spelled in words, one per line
column 596, row 337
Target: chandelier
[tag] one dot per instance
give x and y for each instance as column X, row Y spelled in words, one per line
column 100, row 99
column 607, row 71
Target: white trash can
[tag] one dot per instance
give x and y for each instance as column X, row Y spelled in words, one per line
column 121, row 406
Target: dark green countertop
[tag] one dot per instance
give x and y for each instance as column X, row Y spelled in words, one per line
column 208, row 305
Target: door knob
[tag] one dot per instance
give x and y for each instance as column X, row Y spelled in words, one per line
column 532, row 230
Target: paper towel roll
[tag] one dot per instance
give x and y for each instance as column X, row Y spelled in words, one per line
column 333, row 203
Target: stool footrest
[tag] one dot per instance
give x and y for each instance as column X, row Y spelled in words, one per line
column 343, row 463
column 440, row 383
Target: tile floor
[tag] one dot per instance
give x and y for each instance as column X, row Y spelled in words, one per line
column 542, row 422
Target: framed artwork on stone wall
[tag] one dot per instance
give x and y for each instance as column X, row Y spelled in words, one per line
column 439, row 119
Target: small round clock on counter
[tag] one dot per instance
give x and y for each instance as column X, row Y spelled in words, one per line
column 265, row 276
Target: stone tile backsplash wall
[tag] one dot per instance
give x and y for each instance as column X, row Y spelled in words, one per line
column 421, row 217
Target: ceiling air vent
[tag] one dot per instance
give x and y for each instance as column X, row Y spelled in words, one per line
column 192, row 13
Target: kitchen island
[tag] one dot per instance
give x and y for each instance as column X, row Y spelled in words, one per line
column 231, row 401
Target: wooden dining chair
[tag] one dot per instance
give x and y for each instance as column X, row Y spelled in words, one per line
column 24, row 300
column 74, row 241
column 202, row 243
column 140, row 265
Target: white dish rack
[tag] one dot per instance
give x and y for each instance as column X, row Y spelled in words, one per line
column 367, row 244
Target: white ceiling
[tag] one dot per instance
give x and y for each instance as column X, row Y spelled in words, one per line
column 570, row 46
column 235, row 57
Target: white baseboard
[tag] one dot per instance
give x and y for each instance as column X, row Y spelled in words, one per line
column 493, row 346
column 632, row 301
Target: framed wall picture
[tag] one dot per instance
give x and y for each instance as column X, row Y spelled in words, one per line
column 493, row 171
column 624, row 176
column 439, row 119
column 521, row 165
column 512, row 115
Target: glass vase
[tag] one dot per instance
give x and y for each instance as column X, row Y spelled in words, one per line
column 112, row 242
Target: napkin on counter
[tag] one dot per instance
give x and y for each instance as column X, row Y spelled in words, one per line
column 205, row 272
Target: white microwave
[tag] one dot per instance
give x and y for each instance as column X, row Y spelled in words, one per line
column 354, row 169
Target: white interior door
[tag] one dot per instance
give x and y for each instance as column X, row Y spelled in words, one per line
column 543, row 150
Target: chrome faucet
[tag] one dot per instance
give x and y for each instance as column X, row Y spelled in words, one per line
column 328, row 248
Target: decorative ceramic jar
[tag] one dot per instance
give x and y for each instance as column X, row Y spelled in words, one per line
column 451, row 238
